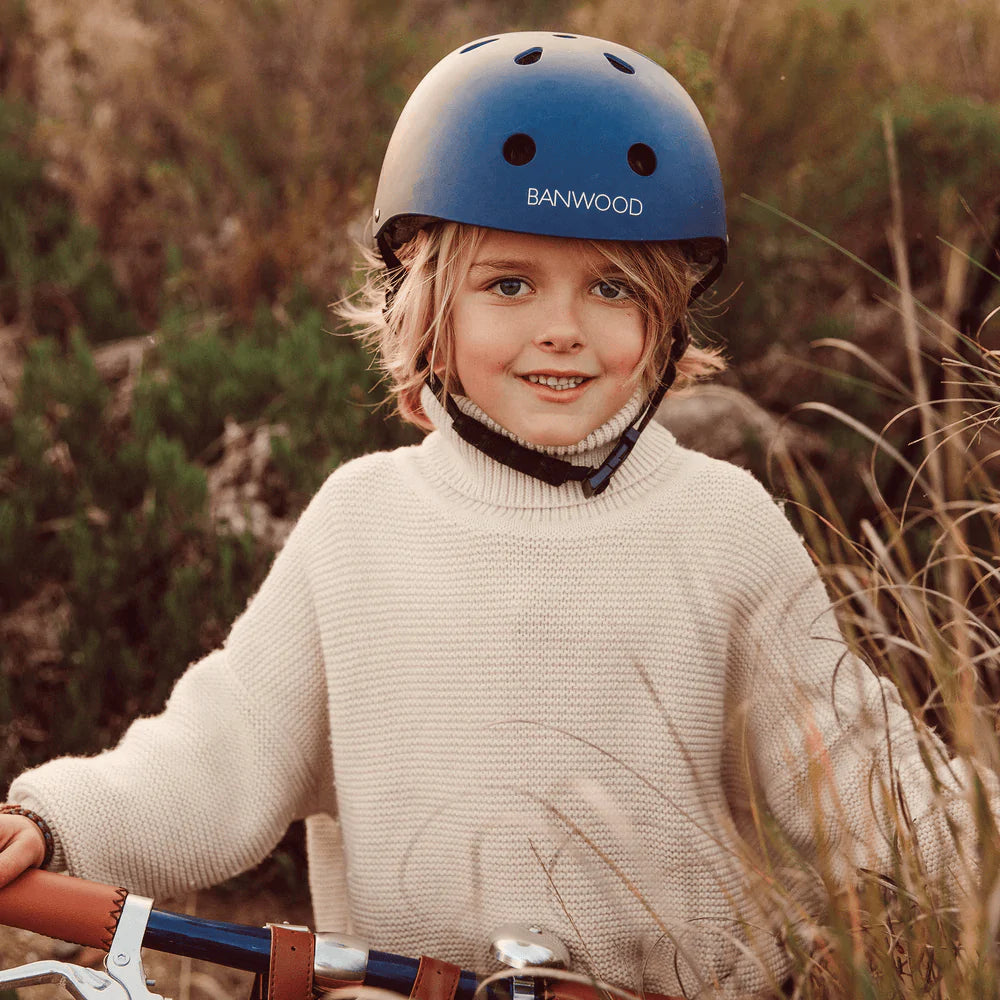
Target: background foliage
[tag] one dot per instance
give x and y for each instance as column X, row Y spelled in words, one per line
column 181, row 188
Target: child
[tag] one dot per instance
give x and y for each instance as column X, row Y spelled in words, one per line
column 545, row 665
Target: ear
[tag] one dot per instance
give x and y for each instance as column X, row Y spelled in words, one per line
column 445, row 373
column 428, row 362
column 436, row 355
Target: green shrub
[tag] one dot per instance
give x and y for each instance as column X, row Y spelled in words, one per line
column 117, row 516
column 53, row 275
column 947, row 145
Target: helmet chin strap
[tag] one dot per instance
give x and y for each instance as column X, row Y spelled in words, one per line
column 548, row 468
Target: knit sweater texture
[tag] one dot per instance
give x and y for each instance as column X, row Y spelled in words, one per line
column 493, row 699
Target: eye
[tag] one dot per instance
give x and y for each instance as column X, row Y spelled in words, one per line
column 510, row 288
column 611, row 291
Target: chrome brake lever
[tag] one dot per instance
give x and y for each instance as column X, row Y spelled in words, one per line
column 83, row 983
column 124, row 961
column 123, row 977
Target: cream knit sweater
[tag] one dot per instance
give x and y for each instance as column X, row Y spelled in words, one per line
column 497, row 700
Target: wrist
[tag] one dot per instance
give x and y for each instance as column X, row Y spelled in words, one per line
column 12, row 809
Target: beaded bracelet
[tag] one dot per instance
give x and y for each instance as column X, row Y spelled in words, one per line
column 50, row 844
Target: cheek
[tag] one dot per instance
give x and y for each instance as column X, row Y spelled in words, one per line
column 471, row 355
column 476, row 362
column 481, row 349
column 627, row 350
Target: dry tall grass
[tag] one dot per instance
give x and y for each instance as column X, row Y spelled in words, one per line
column 918, row 590
column 228, row 132
column 225, row 150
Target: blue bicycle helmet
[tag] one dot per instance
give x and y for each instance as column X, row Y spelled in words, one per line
column 556, row 135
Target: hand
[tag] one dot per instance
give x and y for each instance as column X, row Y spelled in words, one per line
column 22, row 846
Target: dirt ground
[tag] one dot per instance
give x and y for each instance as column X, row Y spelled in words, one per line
column 176, row 978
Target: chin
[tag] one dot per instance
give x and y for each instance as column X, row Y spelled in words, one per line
column 556, row 438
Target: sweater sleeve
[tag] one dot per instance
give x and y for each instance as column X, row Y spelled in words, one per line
column 206, row 789
column 828, row 745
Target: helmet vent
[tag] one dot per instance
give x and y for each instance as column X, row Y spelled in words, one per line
column 642, row 159
column 529, row 56
column 619, row 64
column 564, row 36
column 519, row 149
column 475, row 45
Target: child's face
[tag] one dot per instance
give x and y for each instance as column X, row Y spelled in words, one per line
column 533, row 307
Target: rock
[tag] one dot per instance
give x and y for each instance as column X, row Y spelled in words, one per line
column 725, row 423
column 32, row 632
column 120, row 359
column 12, row 339
column 238, row 481
column 120, row 364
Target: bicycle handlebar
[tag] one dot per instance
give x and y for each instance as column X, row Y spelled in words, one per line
column 88, row 913
column 339, row 958
column 121, row 923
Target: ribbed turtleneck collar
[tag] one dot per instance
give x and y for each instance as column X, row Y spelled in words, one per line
column 592, row 450
column 475, row 479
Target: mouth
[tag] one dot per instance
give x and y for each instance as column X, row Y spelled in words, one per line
column 561, row 383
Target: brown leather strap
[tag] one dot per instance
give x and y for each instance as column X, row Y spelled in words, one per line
column 291, row 972
column 435, row 980
column 59, row 906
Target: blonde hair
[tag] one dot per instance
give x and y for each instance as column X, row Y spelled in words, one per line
column 413, row 333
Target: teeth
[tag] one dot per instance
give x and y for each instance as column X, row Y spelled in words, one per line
column 557, row 381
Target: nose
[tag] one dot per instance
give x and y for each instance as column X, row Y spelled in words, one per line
column 561, row 331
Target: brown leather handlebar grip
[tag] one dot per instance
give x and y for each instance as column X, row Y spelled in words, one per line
column 63, row 907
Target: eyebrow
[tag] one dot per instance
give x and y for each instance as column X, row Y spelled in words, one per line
column 605, row 269
column 501, row 264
